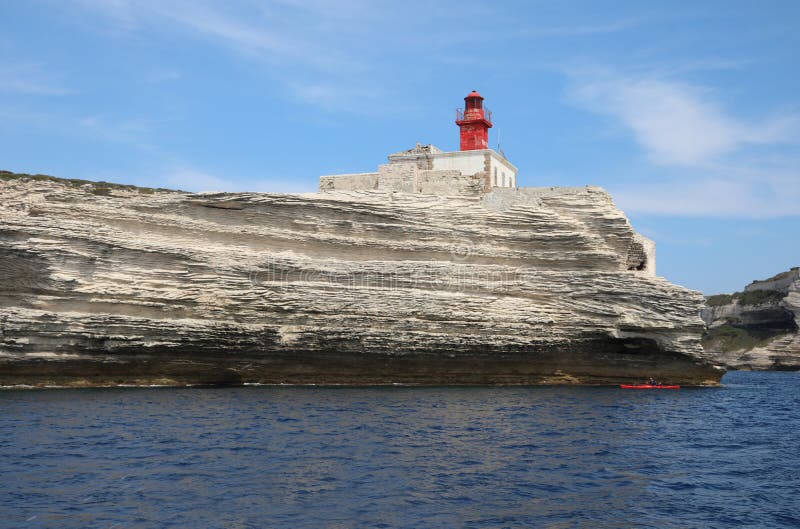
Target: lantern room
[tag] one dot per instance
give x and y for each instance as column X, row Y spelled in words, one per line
column 474, row 122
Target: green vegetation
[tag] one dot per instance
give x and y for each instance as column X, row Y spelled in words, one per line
column 753, row 297
column 719, row 299
column 98, row 188
column 728, row 338
column 778, row 277
column 757, row 297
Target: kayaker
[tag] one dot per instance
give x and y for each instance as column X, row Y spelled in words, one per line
column 652, row 382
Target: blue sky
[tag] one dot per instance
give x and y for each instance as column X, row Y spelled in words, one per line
column 687, row 112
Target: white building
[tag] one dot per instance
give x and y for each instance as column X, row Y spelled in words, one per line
column 426, row 169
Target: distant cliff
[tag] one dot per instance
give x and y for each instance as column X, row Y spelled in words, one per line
column 102, row 284
column 756, row 328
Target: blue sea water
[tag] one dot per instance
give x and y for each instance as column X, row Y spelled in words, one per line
column 338, row 457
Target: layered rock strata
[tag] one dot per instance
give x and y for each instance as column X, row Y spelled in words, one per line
column 758, row 328
column 111, row 285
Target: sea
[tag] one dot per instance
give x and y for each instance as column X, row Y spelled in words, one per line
column 403, row 457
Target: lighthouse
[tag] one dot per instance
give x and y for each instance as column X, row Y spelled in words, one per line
column 473, row 170
column 474, row 123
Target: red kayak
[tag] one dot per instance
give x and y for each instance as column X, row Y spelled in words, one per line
column 646, row 386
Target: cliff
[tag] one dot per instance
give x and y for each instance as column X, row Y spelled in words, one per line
column 103, row 284
column 757, row 328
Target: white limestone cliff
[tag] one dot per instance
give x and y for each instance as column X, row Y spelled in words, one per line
column 104, row 285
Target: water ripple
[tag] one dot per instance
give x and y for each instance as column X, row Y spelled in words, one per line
column 290, row 457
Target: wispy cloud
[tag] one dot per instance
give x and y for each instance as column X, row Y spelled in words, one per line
column 189, row 178
column 102, row 128
column 321, row 51
column 29, row 79
column 163, row 76
column 676, row 123
column 349, row 96
column 258, row 31
column 131, row 131
column 716, row 196
column 578, row 30
column 705, row 158
column 316, row 51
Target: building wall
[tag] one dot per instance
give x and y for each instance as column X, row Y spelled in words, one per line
column 398, row 177
column 471, row 162
column 348, row 182
column 422, row 155
column 448, row 183
column 468, row 162
column 502, row 173
column 426, row 169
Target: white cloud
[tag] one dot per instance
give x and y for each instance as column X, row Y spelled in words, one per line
column 577, row 30
column 314, row 50
column 191, row 179
column 29, row 79
column 347, row 95
column 713, row 197
column 247, row 28
column 121, row 12
column 194, row 180
column 703, row 157
column 163, row 76
column 99, row 127
column 280, row 185
column 133, row 131
column 676, row 123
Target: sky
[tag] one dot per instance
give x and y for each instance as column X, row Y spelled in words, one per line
column 688, row 113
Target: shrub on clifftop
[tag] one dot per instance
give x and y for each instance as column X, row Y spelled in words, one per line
column 719, row 299
column 757, row 297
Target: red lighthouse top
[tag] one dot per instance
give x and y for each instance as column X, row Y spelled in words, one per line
column 474, row 123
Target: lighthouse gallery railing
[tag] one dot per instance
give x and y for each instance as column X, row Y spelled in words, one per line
column 473, row 114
